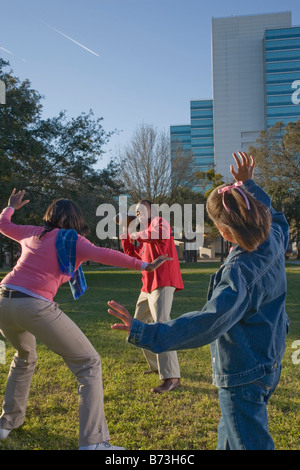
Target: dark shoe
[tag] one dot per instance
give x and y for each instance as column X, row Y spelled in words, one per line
column 167, row 386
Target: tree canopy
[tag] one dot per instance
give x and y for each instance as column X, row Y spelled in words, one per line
column 277, row 156
column 51, row 158
column 149, row 172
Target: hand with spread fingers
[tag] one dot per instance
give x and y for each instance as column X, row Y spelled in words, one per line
column 16, row 199
column 122, row 313
column 157, row 262
column 245, row 167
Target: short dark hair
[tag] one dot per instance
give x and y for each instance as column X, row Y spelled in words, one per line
column 250, row 228
column 152, row 207
column 145, row 201
column 63, row 213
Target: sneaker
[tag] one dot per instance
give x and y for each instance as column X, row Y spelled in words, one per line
column 4, row 433
column 107, row 446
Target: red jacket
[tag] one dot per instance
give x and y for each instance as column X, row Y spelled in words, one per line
column 155, row 241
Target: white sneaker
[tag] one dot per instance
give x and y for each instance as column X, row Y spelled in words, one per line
column 108, row 446
column 4, row 433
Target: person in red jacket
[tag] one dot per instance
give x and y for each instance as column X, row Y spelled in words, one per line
column 155, row 301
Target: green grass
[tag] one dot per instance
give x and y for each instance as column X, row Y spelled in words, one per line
column 185, row 419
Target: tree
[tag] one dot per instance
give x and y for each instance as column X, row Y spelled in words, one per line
column 51, row 158
column 147, row 169
column 210, row 180
column 277, row 156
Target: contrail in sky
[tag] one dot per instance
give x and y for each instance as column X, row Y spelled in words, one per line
column 6, row 50
column 73, row 40
column 11, row 53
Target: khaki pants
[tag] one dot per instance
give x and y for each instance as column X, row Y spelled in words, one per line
column 156, row 307
column 21, row 321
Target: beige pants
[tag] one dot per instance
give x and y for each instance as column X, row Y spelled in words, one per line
column 156, row 307
column 21, row 321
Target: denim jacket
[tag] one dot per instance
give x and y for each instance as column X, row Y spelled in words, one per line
column 244, row 319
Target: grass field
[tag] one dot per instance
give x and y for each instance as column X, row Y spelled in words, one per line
column 185, row 419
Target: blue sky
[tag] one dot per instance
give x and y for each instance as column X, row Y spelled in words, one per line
column 130, row 61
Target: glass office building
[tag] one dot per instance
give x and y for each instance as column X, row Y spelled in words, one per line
column 256, row 83
column 196, row 140
column 282, row 75
column 180, row 138
column 202, row 134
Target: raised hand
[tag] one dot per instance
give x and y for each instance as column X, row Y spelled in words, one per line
column 122, row 313
column 245, row 167
column 157, row 262
column 16, row 199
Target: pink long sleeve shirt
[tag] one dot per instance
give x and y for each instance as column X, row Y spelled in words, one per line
column 37, row 269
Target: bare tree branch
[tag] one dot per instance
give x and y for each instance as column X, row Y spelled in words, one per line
column 147, row 168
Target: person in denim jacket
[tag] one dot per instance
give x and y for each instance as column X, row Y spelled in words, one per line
column 244, row 319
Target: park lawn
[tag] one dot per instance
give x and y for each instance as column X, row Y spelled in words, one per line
column 185, row 419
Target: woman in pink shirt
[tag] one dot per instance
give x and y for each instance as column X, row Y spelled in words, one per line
column 27, row 312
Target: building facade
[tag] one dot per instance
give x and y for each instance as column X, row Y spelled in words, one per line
column 256, row 82
column 202, row 134
column 196, row 140
column 282, row 75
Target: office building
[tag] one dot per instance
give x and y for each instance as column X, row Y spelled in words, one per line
column 282, row 75
column 255, row 83
column 196, row 138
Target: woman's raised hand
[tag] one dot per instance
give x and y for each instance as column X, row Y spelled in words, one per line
column 157, row 262
column 16, row 199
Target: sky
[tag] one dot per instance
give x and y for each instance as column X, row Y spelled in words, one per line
column 132, row 62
